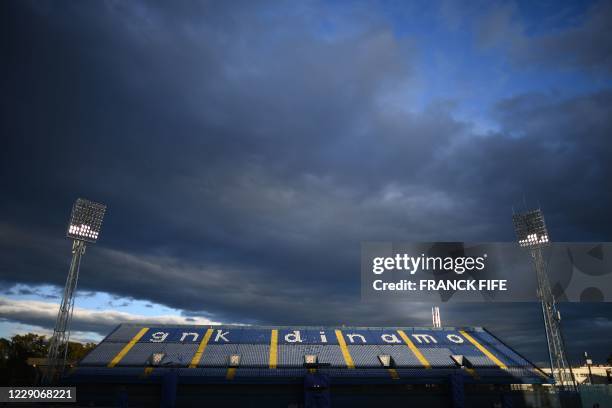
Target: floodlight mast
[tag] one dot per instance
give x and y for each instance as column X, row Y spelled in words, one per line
column 84, row 227
column 532, row 235
column 435, row 317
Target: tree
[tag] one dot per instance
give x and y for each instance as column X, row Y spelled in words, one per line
column 77, row 351
column 14, row 354
column 5, row 349
column 18, row 350
column 28, row 345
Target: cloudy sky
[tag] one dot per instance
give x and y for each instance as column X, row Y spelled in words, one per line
column 246, row 149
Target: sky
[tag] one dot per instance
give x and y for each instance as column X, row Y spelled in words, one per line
column 246, row 149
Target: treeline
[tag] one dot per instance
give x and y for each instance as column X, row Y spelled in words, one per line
column 15, row 352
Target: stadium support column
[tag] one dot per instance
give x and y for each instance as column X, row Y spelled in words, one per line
column 85, row 223
column 457, row 389
column 532, row 235
column 506, row 400
column 168, row 391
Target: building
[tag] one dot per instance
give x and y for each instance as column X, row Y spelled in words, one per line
column 599, row 374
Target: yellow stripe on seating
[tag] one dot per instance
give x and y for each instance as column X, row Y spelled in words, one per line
column 127, row 347
column 198, row 354
column 484, row 351
column 393, row 373
column 417, row 353
column 472, row 372
column 345, row 351
column 148, row 371
column 231, row 373
column 274, row 348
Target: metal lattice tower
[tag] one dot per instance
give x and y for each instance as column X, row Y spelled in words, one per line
column 532, row 235
column 84, row 227
column 435, row 317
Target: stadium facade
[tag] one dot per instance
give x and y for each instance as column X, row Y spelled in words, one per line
column 138, row 365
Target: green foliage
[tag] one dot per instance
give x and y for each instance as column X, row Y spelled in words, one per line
column 77, row 351
column 28, row 345
column 14, row 354
column 5, row 349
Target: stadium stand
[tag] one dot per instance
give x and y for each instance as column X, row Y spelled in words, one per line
column 338, row 358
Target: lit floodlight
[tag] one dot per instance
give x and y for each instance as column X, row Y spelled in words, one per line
column 531, row 234
column 156, row 359
column 86, row 220
column 83, row 228
column 386, row 360
column 530, row 229
column 234, row 360
column 310, row 360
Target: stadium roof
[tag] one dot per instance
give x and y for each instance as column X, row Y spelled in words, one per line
column 203, row 354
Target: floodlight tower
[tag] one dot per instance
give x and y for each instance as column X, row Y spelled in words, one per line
column 84, row 227
column 532, row 235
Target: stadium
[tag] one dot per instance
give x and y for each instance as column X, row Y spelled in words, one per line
column 136, row 365
column 268, row 196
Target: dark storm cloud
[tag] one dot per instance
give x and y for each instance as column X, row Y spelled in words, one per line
column 551, row 150
column 279, row 156
column 588, row 45
column 232, row 294
column 244, row 154
column 585, row 45
column 35, row 292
